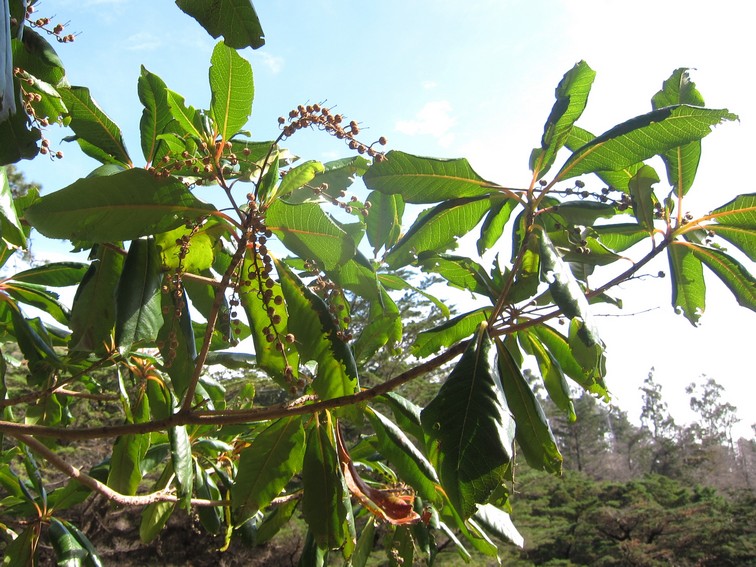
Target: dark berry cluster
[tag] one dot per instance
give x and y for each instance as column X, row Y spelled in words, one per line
column 322, row 118
column 608, row 195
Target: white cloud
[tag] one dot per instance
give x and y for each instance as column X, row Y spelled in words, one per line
column 433, row 119
column 142, row 41
column 428, row 85
column 272, row 62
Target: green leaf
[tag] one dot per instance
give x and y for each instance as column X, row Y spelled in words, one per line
column 736, row 222
column 410, row 464
column 499, row 523
column 138, row 310
column 123, row 206
column 323, row 505
column 425, row 180
column 54, row 274
column 232, row 90
column 20, row 551
column 92, row 559
column 734, row 275
column 494, row 223
column 92, row 125
column 584, row 213
column 336, row 176
column 298, row 177
column 156, row 114
column 615, row 179
column 125, row 472
column 38, row 296
column 384, row 327
column 682, row 161
column 235, row 20
column 94, row 305
column 310, row 233
column 437, row 229
column 317, row 338
column 565, row 290
column 266, row 465
column 532, row 431
column 551, row 373
column 619, row 237
column 470, row 428
column 642, row 193
column 183, row 115
column 461, row 272
column 384, row 223
column 10, row 225
column 449, row 333
column 175, row 339
column 68, row 551
column 571, row 98
column 35, row 55
column 688, row 286
column 181, row 457
column 643, row 137
column 18, row 135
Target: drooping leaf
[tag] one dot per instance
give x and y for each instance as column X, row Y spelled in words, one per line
column 642, row 192
column 235, row 20
column 682, row 161
column 125, row 472
column 123, row 206
column 68, row 551
column 571, row 98
column 299, row 176
column 156, row 114
column 38, row 296
column 138, row 310
column 155, row 516
column 317, row 338
column 266, row 465
column 499, row 523
column 493, row 225
column 323, row 505
column 688, row 286
column 736, row 222
column 437, row 229
column 551, row 373
column 532, row 430
column 470, row 427
column 93, row 126
column 734, row 275
column 410, row 464
column 643, row 137
column 94, row 305
column 384, row 223
column 18, row 135
column 175, row 338
column 232, row 90
column 181, row 458
column 308, row 232
column 461, row 272
column 425, row 180
column 10, row 225
column 54, row 274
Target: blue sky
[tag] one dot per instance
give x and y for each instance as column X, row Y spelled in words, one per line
column 473, row 79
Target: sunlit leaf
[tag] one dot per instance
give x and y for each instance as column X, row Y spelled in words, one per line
column 448, row 333
column 425, row 180
column 688, row 286
column 571, row 98
column 232, row 90
column 643, row 137
column 642, row 191
column 156, row 114
column 499, row 523
column 266, row 465
column 384, row 223
column 10, row 225
column 123, row 206
column 299, row 176
column 734, row 275
column 493, row 225
column 551, row 373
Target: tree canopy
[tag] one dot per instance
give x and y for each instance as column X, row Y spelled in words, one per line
column 279, row 261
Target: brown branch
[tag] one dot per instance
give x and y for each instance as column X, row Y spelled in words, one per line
column 97, row 486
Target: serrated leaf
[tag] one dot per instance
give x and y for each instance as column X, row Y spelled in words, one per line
column 532, row 431
column 571, row 98
column 232, row 90
column 437, row 229
column 123, row 206
column 688, row 286
column 425, row 180
column 643, row 137
column 266, row 465
column 308, row 232
column 235, row 20
column 92, row 126
column 317, row 338
column 642, row 191
column 470, row 427
column 138, row 310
